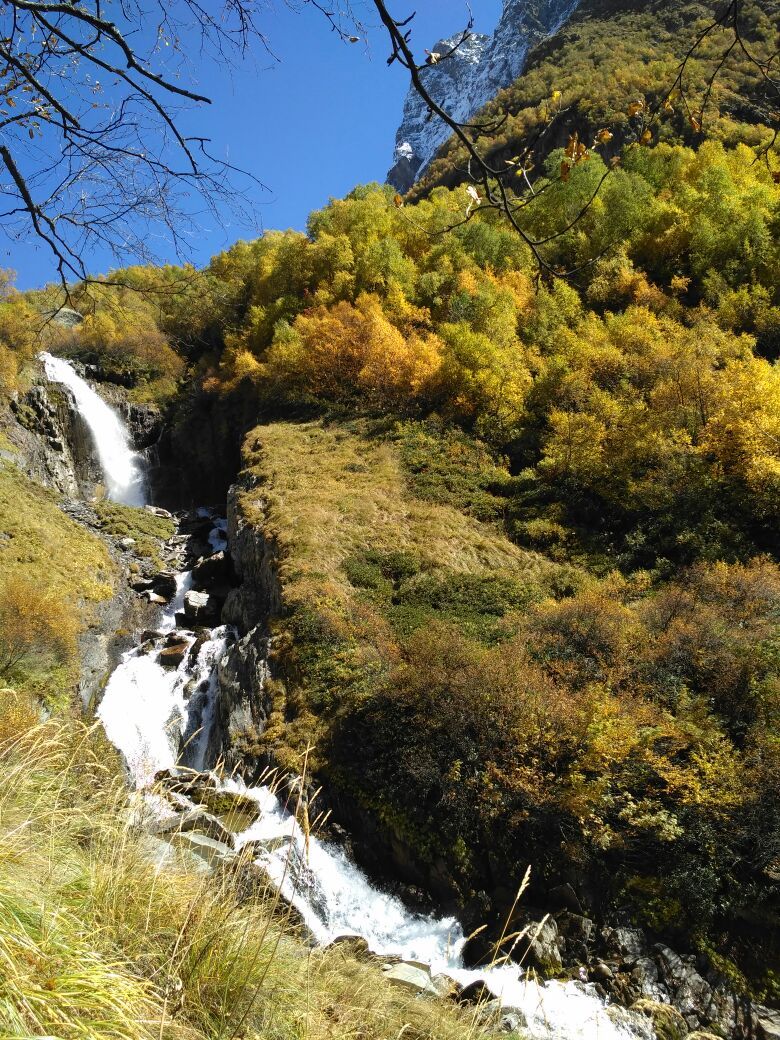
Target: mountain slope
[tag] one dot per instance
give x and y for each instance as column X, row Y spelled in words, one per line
column 611, row 53
column 470, row 77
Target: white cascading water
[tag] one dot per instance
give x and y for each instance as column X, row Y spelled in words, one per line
column 159, row 717
column 122, row 467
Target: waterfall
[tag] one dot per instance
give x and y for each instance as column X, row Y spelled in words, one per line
column 160, row 717
column 121, row 466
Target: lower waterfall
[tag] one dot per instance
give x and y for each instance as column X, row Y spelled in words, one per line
column 160, row 718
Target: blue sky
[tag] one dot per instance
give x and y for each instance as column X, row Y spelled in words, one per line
column 310, row 126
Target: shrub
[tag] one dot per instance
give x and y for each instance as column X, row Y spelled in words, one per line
column 35, row 622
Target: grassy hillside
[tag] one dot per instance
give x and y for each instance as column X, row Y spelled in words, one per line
column 52, row 573
column 479, row 701
column 365, row 561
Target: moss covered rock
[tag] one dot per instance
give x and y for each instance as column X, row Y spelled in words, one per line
column 667, row 1021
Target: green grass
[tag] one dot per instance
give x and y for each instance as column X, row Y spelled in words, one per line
column 378, row 533
column 147, row 529
column 38, row 541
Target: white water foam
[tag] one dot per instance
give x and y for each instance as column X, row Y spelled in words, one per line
column 121, row 466
column 335, row 898
column 147, row 710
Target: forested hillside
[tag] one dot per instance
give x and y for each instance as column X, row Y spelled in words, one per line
column 527, row 525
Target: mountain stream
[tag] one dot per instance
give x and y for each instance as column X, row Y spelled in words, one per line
column 160, row 717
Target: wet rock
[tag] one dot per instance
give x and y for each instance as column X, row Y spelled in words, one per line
column 690, row 993
column 352, row 945
column 140, row 584
column 509, row 1020
column 245, row 701
column 645, row 975
column 213, row 572
column 210, row 850
column 196, row 820
column 199, row 607
column 667, row 1021
column 574, row 926
column 150, row 635
column 476, row 993
column 153, row 597
column 542, row 951
column 767, row 1022
column 446, row 987
column 631, row 1024
column 624, row 944
column 411, row 977
column 164, row 584
column 601, row 972
column 167, row 854
column 236, row 811
column 172, row 655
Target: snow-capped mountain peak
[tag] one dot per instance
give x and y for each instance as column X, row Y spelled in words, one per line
column 465, row 79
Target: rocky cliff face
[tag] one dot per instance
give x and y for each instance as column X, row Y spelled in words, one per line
column 469, row 78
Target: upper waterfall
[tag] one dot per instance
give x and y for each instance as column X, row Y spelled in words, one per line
column 121, row 466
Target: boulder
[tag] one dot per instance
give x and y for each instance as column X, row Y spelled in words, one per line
column 690, row 993
column 157, row 511
column 213, row 572
column 153, row 597
column 574, row 926
column 645, row 975
column 625, row 944
column 601, row 972
column 767, row 1022
column 210, row 850
column 542, row 950
column 631, row 1024
column 701, row 1035
column 199, row 607
column 495, row 1018
column 172, row 655
column 126, row 543
column 411, row 977
column 164, row 584
column 476, row 993
column 667, row 1021
column 446, row 987
column 196, row 820
column 352, row 945
column 234, row 810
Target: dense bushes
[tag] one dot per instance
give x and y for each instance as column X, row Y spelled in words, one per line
column 640, row 408
column 632, row 722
